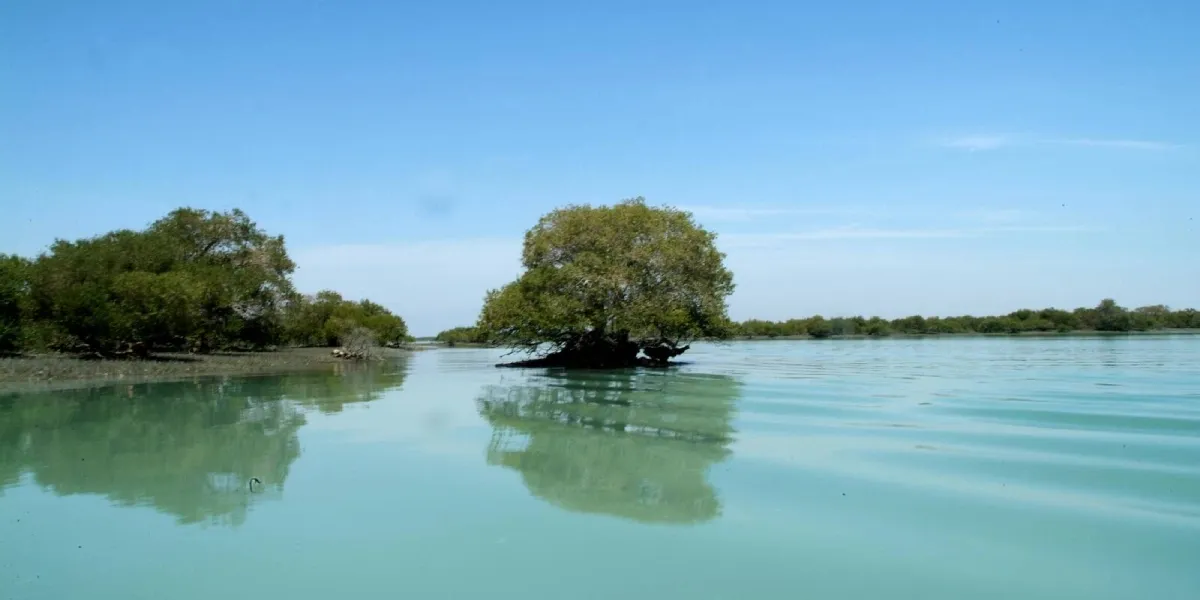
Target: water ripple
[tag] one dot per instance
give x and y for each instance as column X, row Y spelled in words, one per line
column 1108, row 426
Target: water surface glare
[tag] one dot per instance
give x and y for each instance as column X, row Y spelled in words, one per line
column 1053, row 468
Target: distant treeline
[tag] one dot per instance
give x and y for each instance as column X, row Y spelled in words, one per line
column 194, row 280
column 461, row 335
column 1107, row 316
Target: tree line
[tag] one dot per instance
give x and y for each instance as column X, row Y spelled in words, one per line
column 1108, row 316
column 194, row 280
column 630, row 284
column 461, row 335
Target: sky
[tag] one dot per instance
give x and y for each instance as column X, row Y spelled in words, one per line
column 886, row 158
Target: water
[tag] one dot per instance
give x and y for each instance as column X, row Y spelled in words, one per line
column 965, row 468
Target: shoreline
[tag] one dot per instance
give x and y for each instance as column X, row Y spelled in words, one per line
column 50, row 372
column 968, row 334
column 863, row 336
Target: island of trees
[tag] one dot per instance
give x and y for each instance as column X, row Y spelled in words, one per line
column 611, row 286
column 194, row 281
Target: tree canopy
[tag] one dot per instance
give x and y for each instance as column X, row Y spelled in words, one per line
column 605, row 283
column 461, row 335
column 325, row 319
column 195, row 279
column 13, row 283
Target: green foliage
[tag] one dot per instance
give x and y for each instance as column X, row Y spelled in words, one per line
column 461, row 335
column 14, row 290
column 819, row 328
column 627, row 277
column 1112, row 317
column 74, row 290
column 1107, row 316
column 195, row 279
column 242, row 274
column 156, row 309
column 843, row 326
column 326, row 319
column 877, row 327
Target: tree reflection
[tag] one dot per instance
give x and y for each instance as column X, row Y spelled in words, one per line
column 633, row 445
column 349, row 383
column 189, row 449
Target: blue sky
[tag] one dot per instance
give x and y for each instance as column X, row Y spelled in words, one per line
column 868, row 157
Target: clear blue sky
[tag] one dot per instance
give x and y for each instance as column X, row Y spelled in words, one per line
column 868, row 157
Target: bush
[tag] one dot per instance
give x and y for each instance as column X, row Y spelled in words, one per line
column 13, row 297
column 461, row 335
column 323, row 319
column 602, row 284
column 819, row 328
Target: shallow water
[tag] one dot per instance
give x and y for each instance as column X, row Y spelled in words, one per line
column 955, row 468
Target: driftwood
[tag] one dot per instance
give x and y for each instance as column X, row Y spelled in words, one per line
column 357, row 344
column 349, row 354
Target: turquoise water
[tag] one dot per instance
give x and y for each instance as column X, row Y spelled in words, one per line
column 956, row 468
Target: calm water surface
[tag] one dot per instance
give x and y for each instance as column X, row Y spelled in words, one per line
column 966, row 468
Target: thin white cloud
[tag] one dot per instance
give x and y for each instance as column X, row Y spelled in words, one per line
column 839, row 233
column 973, row 143
column 1116, row 144
column 863, row 233
column 740, row 213
column 997, row 215
column 1041, row 229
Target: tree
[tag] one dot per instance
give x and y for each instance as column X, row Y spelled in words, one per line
column 387, row 328
column 193, row 278
column 461, row 335
column 326, row 319
column 13, row 292
column 243, row 273
column 913, row 325
column 877, row 327
column 1111, row 316
column 603, row 284
column 843, row 326
column 819, row 327
column 80, row 290
column 156, row 310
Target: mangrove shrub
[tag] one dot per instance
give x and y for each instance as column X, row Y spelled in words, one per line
column 611, row 286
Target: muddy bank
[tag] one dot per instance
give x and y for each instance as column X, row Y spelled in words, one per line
column 56, row 371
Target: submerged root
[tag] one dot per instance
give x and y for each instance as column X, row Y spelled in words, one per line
column 605, row 354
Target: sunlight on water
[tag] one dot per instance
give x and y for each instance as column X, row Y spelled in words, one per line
column 955, row 468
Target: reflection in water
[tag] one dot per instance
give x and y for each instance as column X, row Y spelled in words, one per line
column 636, row 445
column 188, row 449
